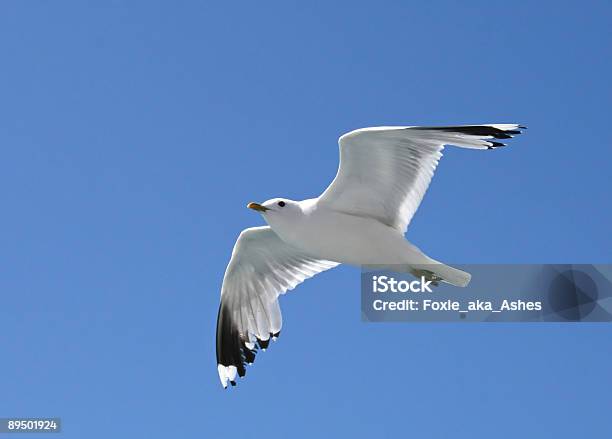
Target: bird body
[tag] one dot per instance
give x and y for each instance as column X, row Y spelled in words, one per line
column 345, row 238
column 359, row 220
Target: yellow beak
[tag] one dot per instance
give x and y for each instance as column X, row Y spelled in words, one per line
column 258, row 207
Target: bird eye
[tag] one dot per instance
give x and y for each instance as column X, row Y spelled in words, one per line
column 281, row 203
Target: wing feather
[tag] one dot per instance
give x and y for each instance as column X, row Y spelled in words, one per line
column 261, row 268
column 384, row 172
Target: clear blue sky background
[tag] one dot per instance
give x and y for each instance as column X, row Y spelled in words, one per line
column 134, row 133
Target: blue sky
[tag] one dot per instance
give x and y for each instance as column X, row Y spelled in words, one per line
column 134, row 133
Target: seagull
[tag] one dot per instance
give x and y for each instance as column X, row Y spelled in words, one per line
column 360, row 220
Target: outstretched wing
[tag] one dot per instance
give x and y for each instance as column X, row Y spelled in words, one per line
column 385, row 171
column 261, row 268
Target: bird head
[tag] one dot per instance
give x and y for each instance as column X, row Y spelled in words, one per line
column 276, row 206
column 278, row 210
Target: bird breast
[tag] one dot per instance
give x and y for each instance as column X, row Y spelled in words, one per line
column 340, row 237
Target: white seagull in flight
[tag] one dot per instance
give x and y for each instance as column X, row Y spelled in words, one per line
column 360, row 220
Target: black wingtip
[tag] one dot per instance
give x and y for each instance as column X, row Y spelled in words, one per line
column 495, row 145
column 233, row 347
column 263, row 344
column 476, row 130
